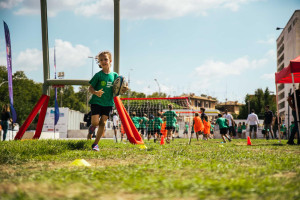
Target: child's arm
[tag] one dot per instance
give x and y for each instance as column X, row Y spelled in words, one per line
column 97, row 93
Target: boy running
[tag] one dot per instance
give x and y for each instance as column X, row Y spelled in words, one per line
column 101, row 87
column 170, row 126
column 198, row 125
column 222, row 122
column 207, row 125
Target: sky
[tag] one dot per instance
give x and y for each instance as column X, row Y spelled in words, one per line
column 222, row 48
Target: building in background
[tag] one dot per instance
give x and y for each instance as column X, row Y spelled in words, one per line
column 233, row 107
column 288, row 48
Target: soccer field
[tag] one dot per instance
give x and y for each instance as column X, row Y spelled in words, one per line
column 40, row 169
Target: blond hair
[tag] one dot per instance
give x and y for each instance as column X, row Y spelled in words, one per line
column 97, row 57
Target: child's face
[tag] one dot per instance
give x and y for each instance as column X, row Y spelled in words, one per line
column 105, row 62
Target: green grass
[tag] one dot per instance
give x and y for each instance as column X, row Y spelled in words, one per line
column 203, row 170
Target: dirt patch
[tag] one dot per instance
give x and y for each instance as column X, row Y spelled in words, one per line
column 285, row 175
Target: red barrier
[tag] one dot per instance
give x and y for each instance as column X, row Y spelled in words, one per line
column 41, row 120
column 43, row 101
column 130, row 130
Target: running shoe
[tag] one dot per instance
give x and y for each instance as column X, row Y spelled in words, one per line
column 229, row 139
column 95, row 147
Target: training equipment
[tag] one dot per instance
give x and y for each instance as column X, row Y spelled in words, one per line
column 80, row 162
column 118, row 85
column 249, row 141
column 132, row 133
column 151, row 106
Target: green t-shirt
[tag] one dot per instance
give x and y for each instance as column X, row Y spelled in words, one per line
column 222, row 122
column 150, row 124
column 243, row 127
column 143, row 122
column 177, row 127
column 136, row 120
column 103, row 81
column 157, row 122
column 170, row 115
column 186, row 127
column 212, row 127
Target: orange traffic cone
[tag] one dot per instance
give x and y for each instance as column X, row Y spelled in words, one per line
column 162, row 140
column 248, row 141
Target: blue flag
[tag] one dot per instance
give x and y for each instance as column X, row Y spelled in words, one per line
column 56, row 110
column 9, row 72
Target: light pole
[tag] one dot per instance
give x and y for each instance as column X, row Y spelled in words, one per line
column 278, row 28
column 158, row 86
column 129, row 89
column 92, row 64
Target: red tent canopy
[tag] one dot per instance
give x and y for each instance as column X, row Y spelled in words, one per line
column 285, row 75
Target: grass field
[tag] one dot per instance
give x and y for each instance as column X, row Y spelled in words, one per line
column 203, row 170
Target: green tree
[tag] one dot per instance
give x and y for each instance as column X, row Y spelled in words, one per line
column 258, row 101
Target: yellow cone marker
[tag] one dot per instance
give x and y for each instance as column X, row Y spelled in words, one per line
column 221, row 146
column 80, row 162
column 143, row 146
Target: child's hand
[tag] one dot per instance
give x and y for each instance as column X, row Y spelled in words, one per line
column 99, row 93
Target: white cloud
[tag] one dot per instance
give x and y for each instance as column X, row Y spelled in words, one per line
column 268, row 77
column 29, row 60
column 6, row 4
column 271, row 54
column 131, row 9
column 218, row 70
column 270, row 40
column 67, row 56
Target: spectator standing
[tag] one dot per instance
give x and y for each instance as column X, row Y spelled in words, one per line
column 5, row 119
column 268, row 122
column 292, row 104
column 252, row 120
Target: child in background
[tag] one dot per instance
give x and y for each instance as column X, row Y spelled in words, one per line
column 212, row 129
column 198, row 125
column 143, row 126
column 177, row 130
column 170, row 122
column 157, row 125
column 282, row 130
column 223, row 125
column 150, row 125
column 239, row 130
column 185, row 132
column 244, row 127
column 207, row 125
column 136, row 121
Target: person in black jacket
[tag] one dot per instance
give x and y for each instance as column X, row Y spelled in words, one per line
column 5, row 118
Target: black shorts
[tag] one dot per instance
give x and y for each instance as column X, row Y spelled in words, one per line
column 142, row 130
column 185, row 132
column 223, row 131
column 115, row 127
column 253, row 127
column 151, row 132
column 157, row 131
column 170, row 128
column 100, row 110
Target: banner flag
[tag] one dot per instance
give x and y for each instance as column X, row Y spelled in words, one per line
column 56, row 110
column 9, row 72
